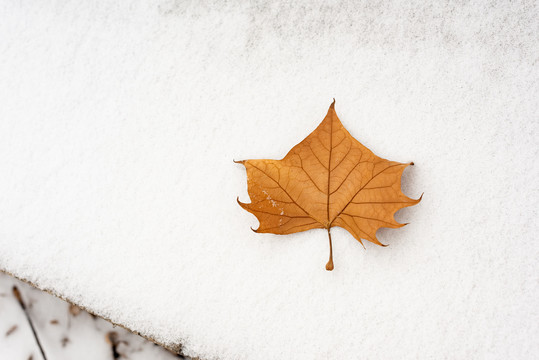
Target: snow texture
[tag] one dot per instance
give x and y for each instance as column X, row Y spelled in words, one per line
column 119, row 122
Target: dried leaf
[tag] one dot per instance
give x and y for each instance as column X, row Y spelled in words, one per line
column 329, row 179
column 65, row 340
column 112, row 338
column 74, row 310
column 11, row 330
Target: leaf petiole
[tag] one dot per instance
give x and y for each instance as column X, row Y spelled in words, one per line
column 329, row 265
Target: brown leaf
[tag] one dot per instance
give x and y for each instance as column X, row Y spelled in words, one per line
column 11, row 330
column 74, row 310
column 65, row 340
column 112, row 338
column 329, row 179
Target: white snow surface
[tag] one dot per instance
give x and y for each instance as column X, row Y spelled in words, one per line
column 119, row 122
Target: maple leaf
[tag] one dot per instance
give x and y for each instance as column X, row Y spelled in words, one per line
column 329, row 179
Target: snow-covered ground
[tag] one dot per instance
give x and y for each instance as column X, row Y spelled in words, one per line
column 119, row 122
column 65, row 332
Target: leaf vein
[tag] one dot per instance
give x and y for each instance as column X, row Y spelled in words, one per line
column 284, row 190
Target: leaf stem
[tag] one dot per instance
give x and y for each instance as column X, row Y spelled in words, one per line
column 329, row 265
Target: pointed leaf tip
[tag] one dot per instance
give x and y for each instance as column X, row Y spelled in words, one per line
column 241, row 203
column 332, row 106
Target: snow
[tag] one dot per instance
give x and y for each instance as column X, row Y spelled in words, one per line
column 119, row 123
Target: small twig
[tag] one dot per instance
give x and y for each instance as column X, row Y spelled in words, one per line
column 18, row 296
